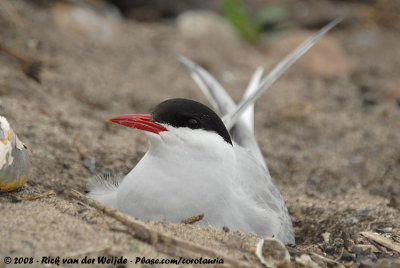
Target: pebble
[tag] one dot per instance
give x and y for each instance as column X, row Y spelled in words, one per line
column 394, row 91
column 206, row 26
column 84, row 21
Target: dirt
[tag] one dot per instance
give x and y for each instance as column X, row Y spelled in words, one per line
column 332, row 144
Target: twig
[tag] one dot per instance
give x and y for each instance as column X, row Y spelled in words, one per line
column 41, row 195
column 161, row 241
column 79, row 149
column 382, row 241
column 12, row 53
column 193, row 219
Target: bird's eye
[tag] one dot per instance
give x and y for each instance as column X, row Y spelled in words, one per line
column 193, row 123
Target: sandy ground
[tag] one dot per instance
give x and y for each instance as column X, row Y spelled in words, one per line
column 331, row 141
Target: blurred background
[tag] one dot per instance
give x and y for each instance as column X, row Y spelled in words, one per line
column 328, row 128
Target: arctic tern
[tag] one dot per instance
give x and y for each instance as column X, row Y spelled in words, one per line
column 199, row 162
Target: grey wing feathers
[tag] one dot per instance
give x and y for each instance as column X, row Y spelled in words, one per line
column 263, row 191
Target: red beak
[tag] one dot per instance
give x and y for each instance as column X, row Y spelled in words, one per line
column 139, row 121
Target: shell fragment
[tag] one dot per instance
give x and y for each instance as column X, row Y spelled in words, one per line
column 14, row 159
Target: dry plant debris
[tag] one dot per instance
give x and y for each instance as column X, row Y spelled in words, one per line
column 193, row 219
column 42, row 195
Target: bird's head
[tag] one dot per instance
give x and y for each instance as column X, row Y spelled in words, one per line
column 180, row 122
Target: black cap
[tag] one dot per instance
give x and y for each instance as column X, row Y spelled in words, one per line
column 191, row 114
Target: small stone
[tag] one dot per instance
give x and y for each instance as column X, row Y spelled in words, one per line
column 351, row 220
column 225, row 229
column 394, row 92
column 205, row 31
column 314, row 180
column 90, row 164
column 326, row 237
column 330, row 250
column 84, row 21
column 346, row 256
column 205, row 25
column 362, row 212
column 369, row 101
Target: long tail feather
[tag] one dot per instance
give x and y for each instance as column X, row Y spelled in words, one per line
column 279, row 69
column 248, row 114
